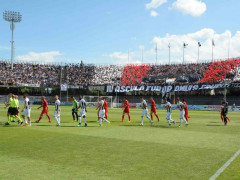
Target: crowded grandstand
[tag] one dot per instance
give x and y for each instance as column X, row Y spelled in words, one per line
column 131, row 74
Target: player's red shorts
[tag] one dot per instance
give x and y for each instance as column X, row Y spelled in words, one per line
column 154, row 110
column 126, row 110
column 44, row 111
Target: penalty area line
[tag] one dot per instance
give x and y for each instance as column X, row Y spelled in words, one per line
column 225, row 166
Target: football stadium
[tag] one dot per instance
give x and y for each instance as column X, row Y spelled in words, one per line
column 120, row 90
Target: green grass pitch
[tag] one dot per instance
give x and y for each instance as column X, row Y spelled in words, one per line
column 119, row 150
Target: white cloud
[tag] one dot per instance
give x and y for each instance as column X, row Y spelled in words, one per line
column 118, row 55
column 155, row 4
column 122, row 58
column 40, row 57
column 205, row 36
column 153, row 13
column 193, row 7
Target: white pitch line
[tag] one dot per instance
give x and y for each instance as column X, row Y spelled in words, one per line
column 225, row 166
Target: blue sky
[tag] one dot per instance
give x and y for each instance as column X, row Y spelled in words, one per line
column 103, row 31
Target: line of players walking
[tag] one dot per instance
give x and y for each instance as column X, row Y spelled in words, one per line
column 167, row 105
column 102, row 107
column 13, row 112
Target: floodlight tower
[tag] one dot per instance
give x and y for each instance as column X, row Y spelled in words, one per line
column 12, row 17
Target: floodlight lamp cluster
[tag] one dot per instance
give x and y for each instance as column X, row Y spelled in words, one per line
column 12, row 16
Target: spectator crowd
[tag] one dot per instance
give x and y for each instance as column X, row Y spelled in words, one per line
column 110, row 74
column 25, row 73
column 177, row 69
column 216, row 70
column 81, row 74
column 133, row 74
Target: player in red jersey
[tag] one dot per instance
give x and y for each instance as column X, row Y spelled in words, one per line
column 44, row 111
column 185, row 109
column 153, row 109
column 126, row 110
column 105, row 107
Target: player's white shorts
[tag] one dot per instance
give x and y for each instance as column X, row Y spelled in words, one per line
column 102, row 113
column 56, row 114
column 82, row 113
column 169, row 115
column 26, row 112
column 145, row 112
column 182, row 113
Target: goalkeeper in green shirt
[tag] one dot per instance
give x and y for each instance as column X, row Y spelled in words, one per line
column 74, row 109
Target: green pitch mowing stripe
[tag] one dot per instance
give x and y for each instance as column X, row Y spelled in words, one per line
column 119, row 150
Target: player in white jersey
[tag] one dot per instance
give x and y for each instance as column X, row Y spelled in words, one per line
column 57, row 110
column 144, row 111
column 101, row 111
column 83, row 106
column 181, row 107
column 26, row 111
column 168, row 107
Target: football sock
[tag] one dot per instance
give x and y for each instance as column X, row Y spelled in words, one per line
column 29, row 122
column 122, row 117
column 9, row 119
column 85, row 120
column 17, row 117
column 151, row 117
column 40, row 118
column 129, row 117
column 55, row 117
column 228, row 119
column 100, row 121
column 180, row 121
column 185, row 121
column 79, row 119
column 49, row 118
column 25, row 120
column 225, row 120
column 157, row 116
column 76, row 116
column 105, row 120
column 73, row 115
column 169, row 121
column 141, row 119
